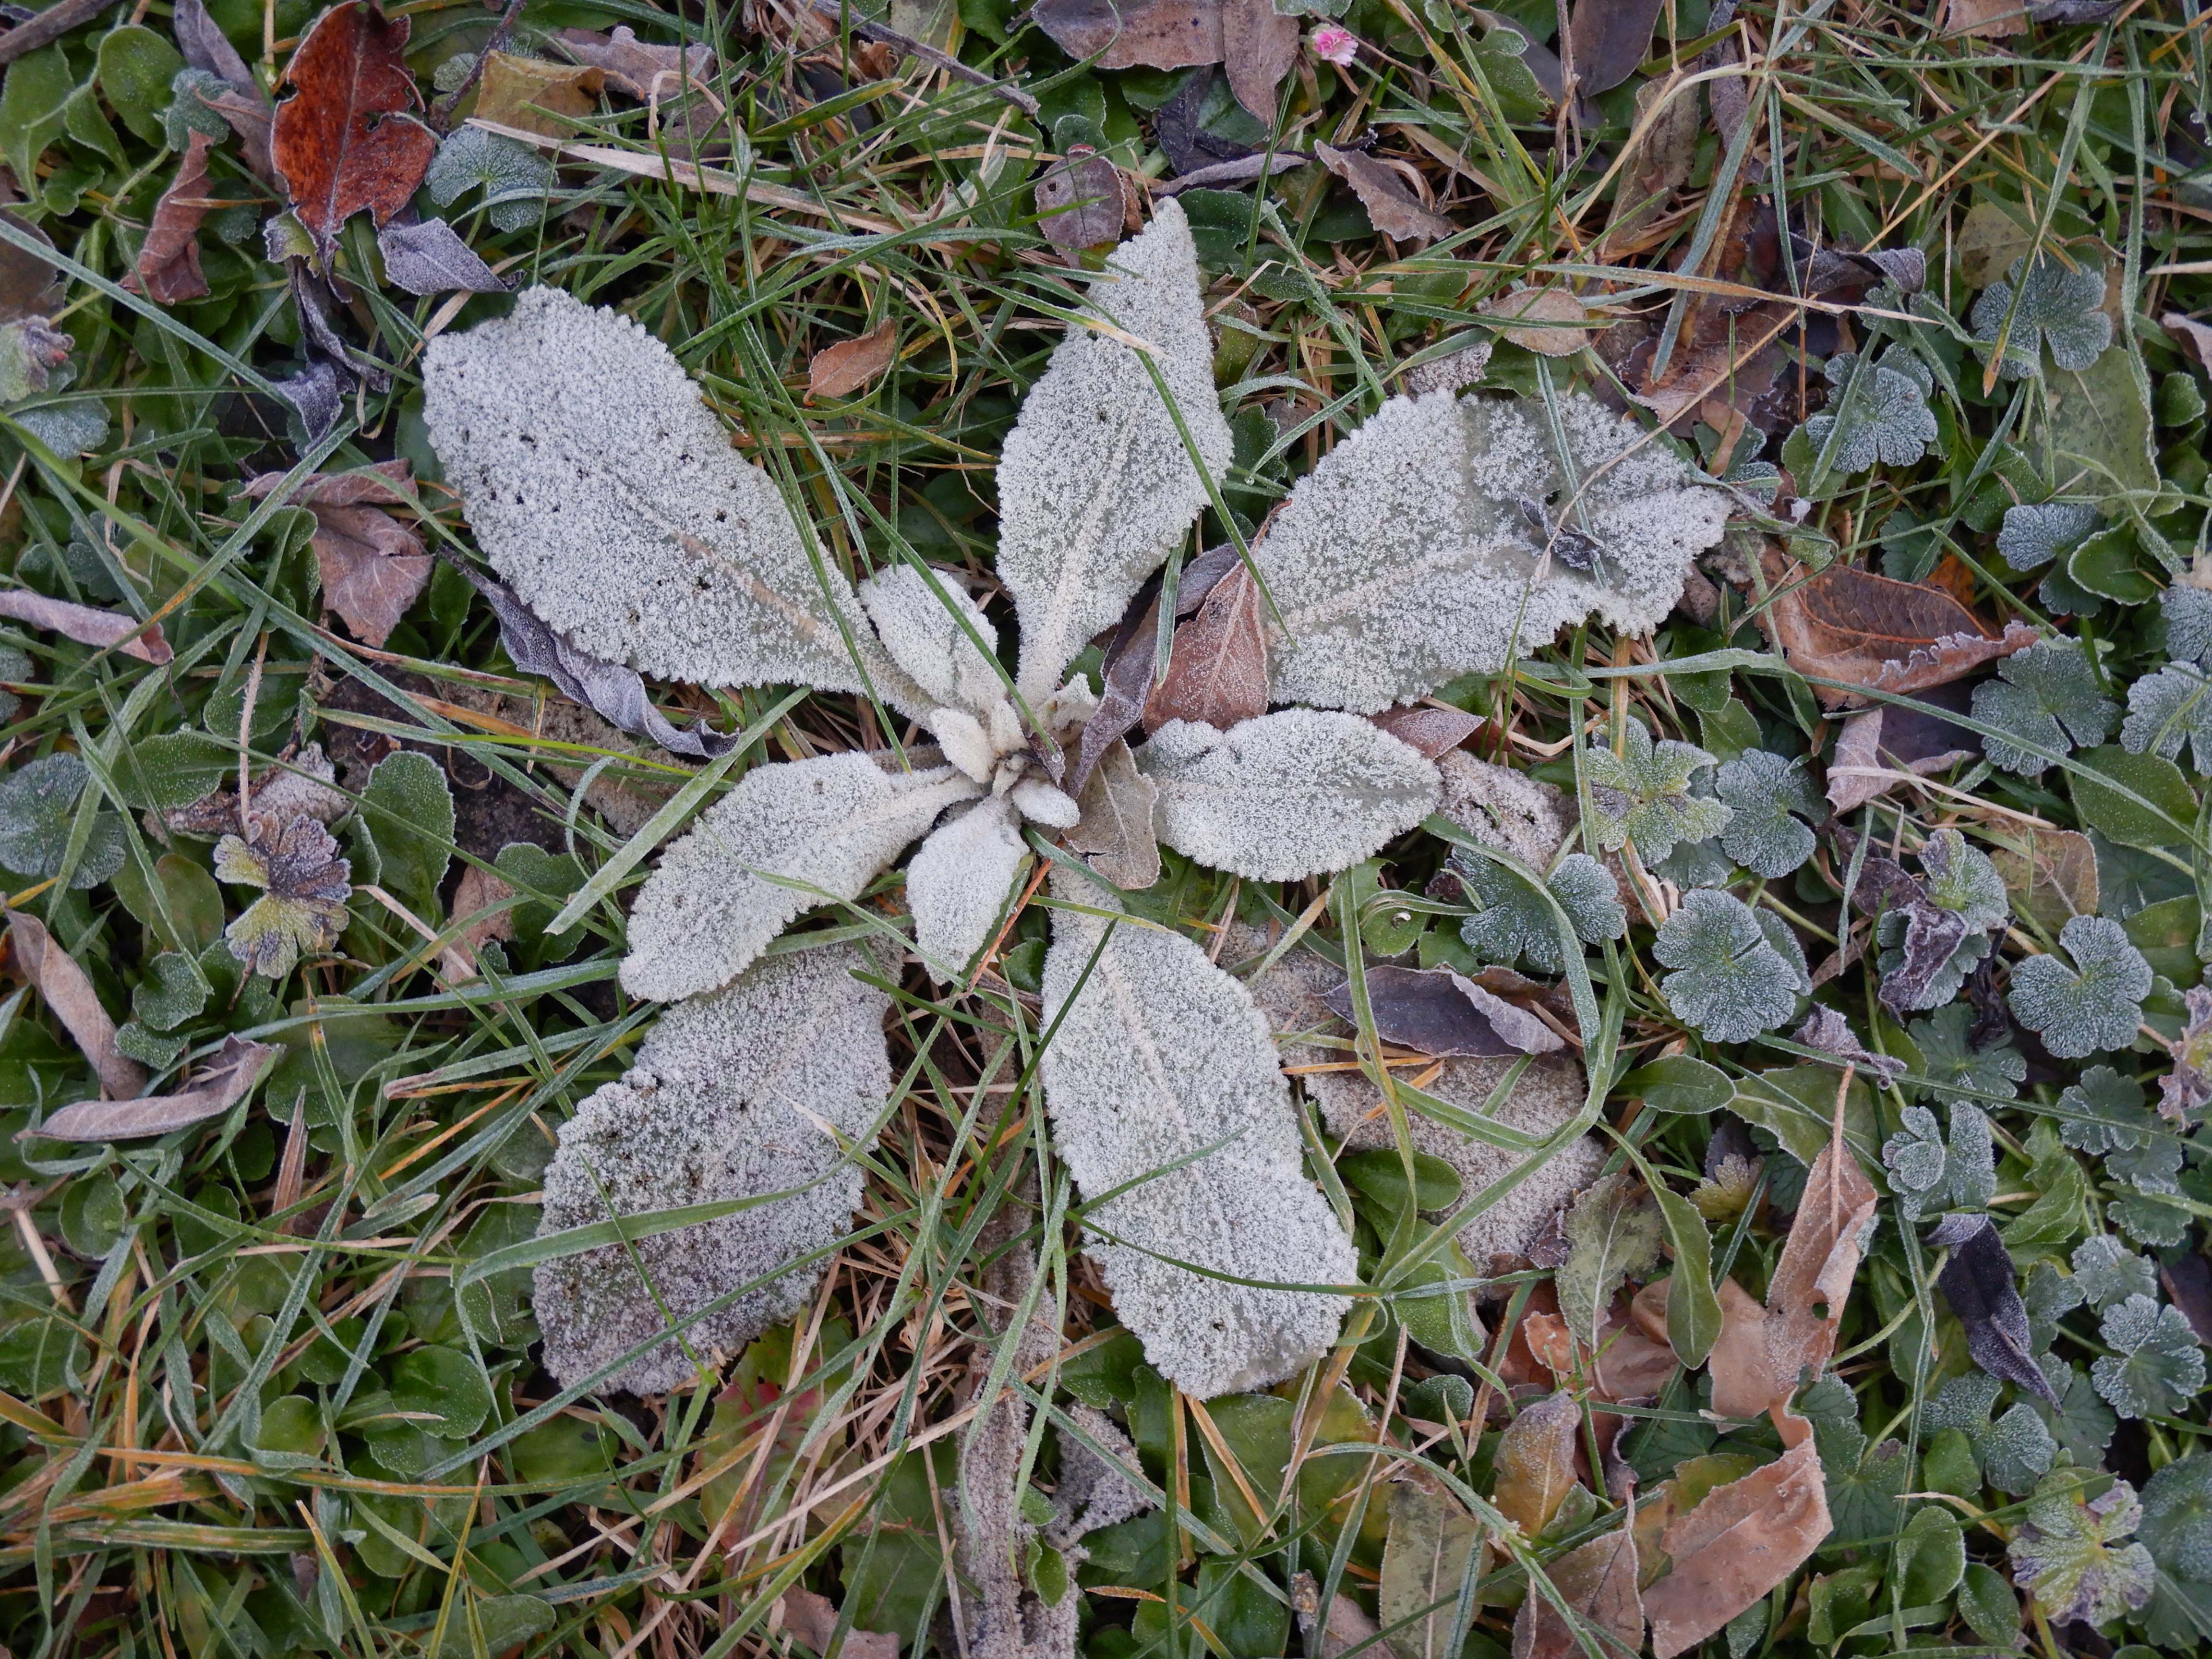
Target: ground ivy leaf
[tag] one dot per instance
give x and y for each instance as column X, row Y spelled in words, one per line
column 2083, row 1423
column 1914, row 1159
column 2186, row 609
column 2036, row 533
column 2177, row 1518
column 2070, row 1555
column 38, row 810
column 1728, row 981
column 2144, row 1218
column 1948, row 1055
column 2094, row 1005
column 2016, row 1451
column 1763, row 791
column 2047, row 697
column 1516, row 924
column 2058, row 306
column 2108, row 1272
column 2155, row 1367
column 1881, row 415
column 1643, row 793
column 2167, row 709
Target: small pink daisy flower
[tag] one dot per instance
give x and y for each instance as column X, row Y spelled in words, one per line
column 1334, row 43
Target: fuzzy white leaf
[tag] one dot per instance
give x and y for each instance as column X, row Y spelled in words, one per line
column 1159, row 1055
column 604, row 491
column 834, row 822
column 1042, row 803
column 1406, row 559
column 920, row 629
column 964, row 739
column 1095, row 485
column 729, row 1099
column 957, row 884
column 1287, row 795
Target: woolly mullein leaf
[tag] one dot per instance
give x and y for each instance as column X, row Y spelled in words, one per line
column 2167, row 709
column 2058, row 306
column 734, row 1095
column 600, row 485
column 2108, row 1272
column 1291, row 794
column 2048, row 697
column 2036, row 533
column 2155, row 1367
column 2096, row 1004
column 1159, row 1055
column 1879, row 412
column 1763, row 791
column 958, row 884
column 1516, row 922
column 2187, row 612
column 1405, row 559
column 833, row 822
column 918, row 620
column 1095, row 485
column 1642, row 794
column 1729, row 981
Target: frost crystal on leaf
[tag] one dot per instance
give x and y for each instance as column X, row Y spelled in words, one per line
column 37, row 812
column 1728, row 981
column 2070, row 1554
column 2135, row 1144
column 1934, row 941
column 1096, row 486
column 2155, row 1367
column 1405, row 559
column 2058, row 307
column 833, row 823
column 2095, row 1005
column 2187, row 612
column 304, row 886
column 2016, row 1451
column 1161, row 1056
column 1642, row 794
column 2046, row 696
column 733, row 1096
column 2108, row 1272
column 1287, row 795
column 1880, row 413
column 958, row 884
column 919, row 619
column 1516, row 922
column 1762, row 791
column 1915, row 1160
column 2037, row 533
column 604, row 491
column 1948, row 1057
column 2167, row 709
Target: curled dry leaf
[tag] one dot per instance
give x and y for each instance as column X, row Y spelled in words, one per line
column 1598, row 1581
column 1259, row 43
column 2052, row 871
column 1606, row 40
column 1435, row 1010
column 1876, row 743
column 221, row 1084
column 1551, row 320
column 841, row 370
column 87, row 626
column 2194, row 338
column 299, row 786
column 1433, row 733
column 1395, row 209
column 1872, row 633
column 1116, row 827
column 347, row 139
column 428, row 255
column 813, row 1621
column 373, row 567
column 533, row 95
column 645, row 72
column 57, row 977
column 1657, row 163
column 1738, row 1543
column 1082, row 201
column 1535, row 1462
column 168, row 267
column 1217, row 671
column 1978, row 1281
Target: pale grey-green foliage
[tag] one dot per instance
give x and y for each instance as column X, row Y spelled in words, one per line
column 1960, row 877
column 37, row 812
column 959, row 881
column 1947, row 1056
column 832, row 823
column 1404, row 559
column 2016, row 1451
column 1644, row 795
column 2187, row 611
column 733, row 1096
column 2155, row 1367
column 15, row 668
column 600, row 485
column 1878, row 413
column 173, row 991
column 1295, row 793
column 1915, row 1159
column 1160, row 1056
column 512, row 176
column 2048, row 697
column 2097, row 1004
column 2168, row 709
column 919, row 618
column 2107, row 1117
column 1729, row 980
column 2108, row 1272
column 1516, row 922
column 1096, row 485
column 2058, row 307
column 1763, row 791
column 2036, row 533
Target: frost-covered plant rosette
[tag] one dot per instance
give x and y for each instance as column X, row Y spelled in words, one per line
column 1414, row 553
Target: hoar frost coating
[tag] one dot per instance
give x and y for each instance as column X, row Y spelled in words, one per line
column 1404, row 560
column 1094, row 484
column 1284, row 795
column 722, row 1104
column 1161, row 1054
column 600, row 485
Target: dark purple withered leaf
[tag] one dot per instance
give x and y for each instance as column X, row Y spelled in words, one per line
column 1434, row 1010
column 1977, row 1281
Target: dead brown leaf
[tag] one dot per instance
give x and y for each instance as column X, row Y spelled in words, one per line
column 810, row 1618
column 480, row 888
column 1874, row 634
column 1132, row 34
column 1552, row 321
column 1217, row 671
column 87, row 626
column 1082, row 201
column 168, row 267
column 220, row 1085
column 1258, row 47
column 1433, row 732
column 29, row 285
column 1598, row 1581
column 54, row 973
column 374, row 568
column 1606, row 39
column 1987, row 19
column 2195, row 339
column 1737, row 1545
column 347, row 140
column 1395, row 211
column 1657, row 164
column 645, row 72
column 299, row 786
column 1116, row 826
column 532, row 94
column 841, row 370
column 1535, row 1462
column 2055, row 869
column 1876, row 743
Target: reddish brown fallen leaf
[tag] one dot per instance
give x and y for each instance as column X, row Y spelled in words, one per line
column 347, row 139
column 1535, row 1462
column 57, row 977
column 2053, row 872
column 87, row 626
column 1631, row 1364
column 1606, row 40
column 841, row 370
column 1436, row 1010
column 1433, row 732
column 1217, row 671
column 29, row 285
column 1988, row 18
column 1872, row 633
column 533, row 95
column 811, row 1619
column 1133, row 34
column 645, row 72
column 1389, row 205
column 1544, row 1333
column 1258, row 47
column 374, row 568
column 1598, row 1581
column 168, row 267
column 1737, row 1545
column 2195, row 339
column 237, row 1067
column 1083, row 201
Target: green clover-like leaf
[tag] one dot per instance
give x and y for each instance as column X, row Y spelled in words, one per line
column 2016, row 1451
column 2058, row 307
column 2156, row 1367
column 1767, row 794
column 173, row 991
column 38, row 810
column 2072, row 1556
column 2187, row 611
column 2094, row 1005
column 1915, row 1159
column 1642, row 794
column 514, row 177
column 1948, row 1055
column 1880, row 412
column 1730, row 981
column 2048, row 698
column 1516, row 922
column 2036, row 533
column 2108, row 1272
column 2167, row 709
column 2177, row 1518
